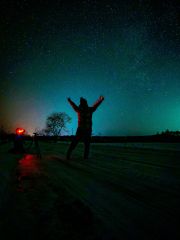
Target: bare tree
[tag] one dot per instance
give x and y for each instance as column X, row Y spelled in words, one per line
column 56, row 123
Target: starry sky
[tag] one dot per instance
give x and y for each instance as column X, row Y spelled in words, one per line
column 127, row 51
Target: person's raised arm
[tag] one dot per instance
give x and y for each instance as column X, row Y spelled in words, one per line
column 97, row 103
column 75, row 107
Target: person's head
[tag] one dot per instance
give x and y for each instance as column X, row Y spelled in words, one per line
column 83, row 102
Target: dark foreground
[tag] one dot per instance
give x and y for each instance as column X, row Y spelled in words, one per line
column 119, row 193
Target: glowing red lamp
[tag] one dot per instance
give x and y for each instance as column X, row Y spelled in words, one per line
column 20, row 131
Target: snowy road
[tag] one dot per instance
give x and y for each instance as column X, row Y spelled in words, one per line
column 120, row 193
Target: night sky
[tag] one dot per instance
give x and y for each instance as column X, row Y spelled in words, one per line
column 128, row 51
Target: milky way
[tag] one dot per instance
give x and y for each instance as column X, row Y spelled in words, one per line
column 127, row 51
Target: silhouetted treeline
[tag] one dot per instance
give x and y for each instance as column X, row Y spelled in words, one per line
column 169, row 133
column 3, row 135
column 166, row 136
column 113, row 139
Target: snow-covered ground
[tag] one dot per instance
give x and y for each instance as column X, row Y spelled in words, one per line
column 119, row 193
column 164, row 146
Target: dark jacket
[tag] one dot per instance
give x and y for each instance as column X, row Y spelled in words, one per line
column 85, row 114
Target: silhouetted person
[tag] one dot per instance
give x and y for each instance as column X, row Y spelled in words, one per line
column 84, row 129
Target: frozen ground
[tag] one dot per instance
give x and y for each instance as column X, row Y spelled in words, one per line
column 119, row 193
column 163, row 146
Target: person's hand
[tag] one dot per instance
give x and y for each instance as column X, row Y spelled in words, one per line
column 101, row 98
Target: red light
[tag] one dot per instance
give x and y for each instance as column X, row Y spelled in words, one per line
column 20, row 131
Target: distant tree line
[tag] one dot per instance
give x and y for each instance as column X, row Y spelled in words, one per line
column 3, row 134
column 56, row 126
column 169, row 133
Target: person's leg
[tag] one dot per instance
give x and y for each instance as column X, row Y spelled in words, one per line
column 87, row 141
column 72, row 146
